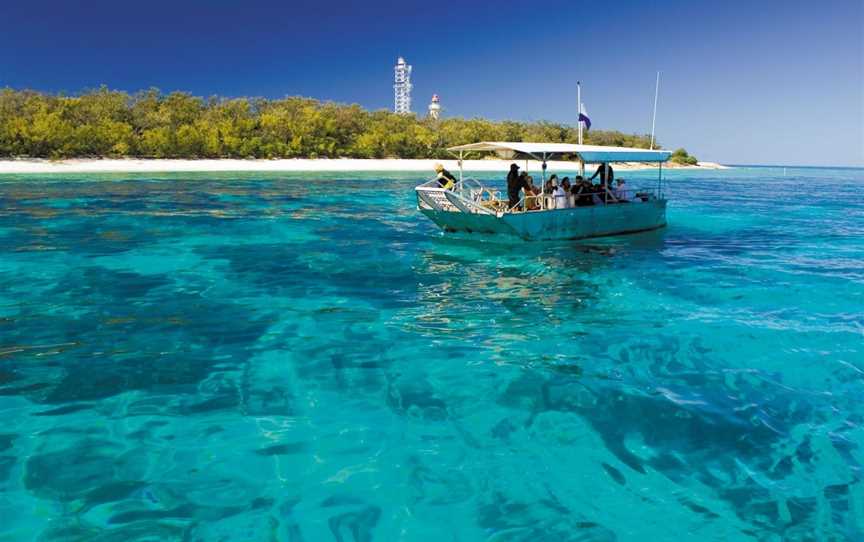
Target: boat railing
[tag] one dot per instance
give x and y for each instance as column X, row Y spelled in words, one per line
column 548, row 202
column 430, row 195
column 467, row 183
column 431, row 183
column 468, row 195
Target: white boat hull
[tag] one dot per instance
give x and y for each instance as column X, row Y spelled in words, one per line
column 574, row 223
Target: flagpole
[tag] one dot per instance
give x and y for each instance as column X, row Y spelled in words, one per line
column 654, row 116
column 579, row 108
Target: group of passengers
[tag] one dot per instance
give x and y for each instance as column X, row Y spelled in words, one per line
column 580, row 193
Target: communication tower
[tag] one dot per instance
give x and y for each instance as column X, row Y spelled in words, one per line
column 402, row 87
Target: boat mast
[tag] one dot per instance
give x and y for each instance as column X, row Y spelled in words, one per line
column 579, row 108
column 653, row 123
column 579, row 123
column 654, row 116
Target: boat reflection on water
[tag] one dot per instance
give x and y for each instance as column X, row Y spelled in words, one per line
column 460, row 279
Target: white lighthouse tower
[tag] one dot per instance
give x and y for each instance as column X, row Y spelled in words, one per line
column 402, row 87
column 435, row 107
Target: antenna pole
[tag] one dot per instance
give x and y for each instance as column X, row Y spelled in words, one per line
column 579, row 108
column 654, row 116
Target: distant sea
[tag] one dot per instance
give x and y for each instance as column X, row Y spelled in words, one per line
column 266, row 357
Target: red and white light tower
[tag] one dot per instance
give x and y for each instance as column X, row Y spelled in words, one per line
column 435, row 107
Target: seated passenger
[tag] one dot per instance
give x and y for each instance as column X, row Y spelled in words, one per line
column 606, row 193
column 531, row 192
column 446, row 180
column 575, row 189
column 582, row 192
column 621, row 191
column 560, row 196
column 565, row 185
column 598, row 192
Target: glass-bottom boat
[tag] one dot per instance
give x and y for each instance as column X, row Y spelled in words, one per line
column 471, row 207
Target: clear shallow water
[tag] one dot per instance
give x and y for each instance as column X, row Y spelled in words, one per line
column 248, row 357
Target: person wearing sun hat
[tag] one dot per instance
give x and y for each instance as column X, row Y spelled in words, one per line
column 446, row 180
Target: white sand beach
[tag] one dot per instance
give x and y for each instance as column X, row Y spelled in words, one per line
column 23, row 166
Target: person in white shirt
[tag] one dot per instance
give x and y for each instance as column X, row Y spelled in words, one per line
column 560, row 195
column 565, row 185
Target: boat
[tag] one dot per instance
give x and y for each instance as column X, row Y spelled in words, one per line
column 472, row 207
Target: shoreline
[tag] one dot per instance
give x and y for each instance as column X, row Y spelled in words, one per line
column 130, row 165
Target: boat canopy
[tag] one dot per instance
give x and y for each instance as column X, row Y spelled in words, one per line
column 590, row 154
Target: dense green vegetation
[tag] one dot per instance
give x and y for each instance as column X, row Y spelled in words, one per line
column 680, row 156
column 108, row 123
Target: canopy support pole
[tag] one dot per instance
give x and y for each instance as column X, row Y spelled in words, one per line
column 460, row 168
column 543, row 190
column 544, row 169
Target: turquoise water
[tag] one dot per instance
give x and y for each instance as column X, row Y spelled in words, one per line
column 251, row 357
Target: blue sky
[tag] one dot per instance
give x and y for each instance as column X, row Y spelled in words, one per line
column 770, row 82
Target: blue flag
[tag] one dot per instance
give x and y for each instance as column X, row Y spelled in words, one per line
column 583, row 117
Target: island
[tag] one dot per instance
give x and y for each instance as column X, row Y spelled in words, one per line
column 105, row 130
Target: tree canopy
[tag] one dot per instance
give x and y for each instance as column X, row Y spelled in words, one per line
column 151, row 124
column 680, row 156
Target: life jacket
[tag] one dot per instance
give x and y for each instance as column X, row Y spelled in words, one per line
column 447, row 185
